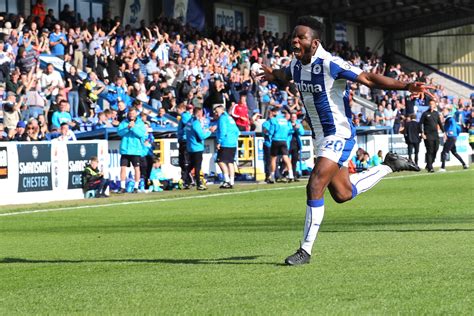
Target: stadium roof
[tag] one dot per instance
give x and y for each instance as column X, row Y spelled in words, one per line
column 397, row 15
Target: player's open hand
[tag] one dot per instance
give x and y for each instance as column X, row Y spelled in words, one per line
column 267, row 73
column 419, row 89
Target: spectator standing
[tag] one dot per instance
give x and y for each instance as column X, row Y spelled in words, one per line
column 227, row 136
column 195, row 136
column 294, row 142
column 132, row 131
column 429, row 122
column 39, row 10
column 154, row 91
column 452, row 130
column 62, row 115
column 379, row 115
column 240, row 113
column 389, row 116
column 185, row 116
column 73, row 81
column 280, row 128
column 11, row 112
column 51, row 81
column 267, row 143
column 412, row 134
column 146, row 160
column 58, row 42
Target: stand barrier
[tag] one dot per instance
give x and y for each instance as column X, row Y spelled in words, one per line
column 34, row 172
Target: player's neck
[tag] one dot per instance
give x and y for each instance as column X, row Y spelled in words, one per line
column 306, row 59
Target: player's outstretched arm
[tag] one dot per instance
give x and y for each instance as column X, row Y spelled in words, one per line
column 279, row 76
column 371, row 80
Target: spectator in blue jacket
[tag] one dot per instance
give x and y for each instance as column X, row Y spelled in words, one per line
column 227, row 138
column 452, row 130
column 62, row 115
column 195, row 136
column 280, row 128
column 185, row 112
column 146, row 160
column 294, row 142
column 267, row 144
column 133, row 132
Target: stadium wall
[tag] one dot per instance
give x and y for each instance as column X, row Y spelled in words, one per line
column 451, row 51
column 35, row 172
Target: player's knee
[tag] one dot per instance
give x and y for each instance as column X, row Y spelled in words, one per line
column 314, row 190
column 341, row 197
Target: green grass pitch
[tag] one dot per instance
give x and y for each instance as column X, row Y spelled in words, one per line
column 404, row 247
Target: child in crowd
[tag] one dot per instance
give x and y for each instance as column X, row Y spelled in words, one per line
column 156, row 176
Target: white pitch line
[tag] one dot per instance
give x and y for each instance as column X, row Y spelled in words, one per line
column 190, row 197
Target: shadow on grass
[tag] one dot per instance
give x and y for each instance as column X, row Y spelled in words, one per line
column 248, row 260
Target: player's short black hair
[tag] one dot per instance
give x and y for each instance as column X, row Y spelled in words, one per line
column 312, row 23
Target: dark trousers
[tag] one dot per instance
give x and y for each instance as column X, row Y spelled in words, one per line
column 432, row 146
column 100, row 186
column 267, row 161
column 184, row 164
column 295, row 157
column 413, row 147
column 146, row 164
column 195, row 160
column 450, row 146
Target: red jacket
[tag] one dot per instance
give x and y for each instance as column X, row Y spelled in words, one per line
column 240, row 113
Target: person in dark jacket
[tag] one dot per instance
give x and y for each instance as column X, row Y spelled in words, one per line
column 429, row 123
column 412, row 133
column 452, row 131
column 93, row 179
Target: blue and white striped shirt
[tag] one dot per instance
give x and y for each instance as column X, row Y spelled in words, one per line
column 325, row 92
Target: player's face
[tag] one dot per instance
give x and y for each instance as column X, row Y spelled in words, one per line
column 302, row 42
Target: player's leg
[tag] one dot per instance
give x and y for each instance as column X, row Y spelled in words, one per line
column 124, row 163
column 136, row 165
column 286, row 160
column 410, row 150
column 225, row 172
column 273, row 160
column 267, row 162
column 321, row 176
column 455, row 153
column 197, row 171
column 231, row 168
column 446, row 148
column 417, row 150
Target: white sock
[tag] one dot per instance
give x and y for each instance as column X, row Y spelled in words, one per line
column 231, row 180
column 123, row 184
column 364, row 181
column 226, row 178
column 314, row 217
column 135, row 185
column 290, row 174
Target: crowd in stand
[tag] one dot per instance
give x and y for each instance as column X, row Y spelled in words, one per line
column 110, row 68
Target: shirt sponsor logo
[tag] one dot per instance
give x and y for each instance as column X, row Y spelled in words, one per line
column 309, row 87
